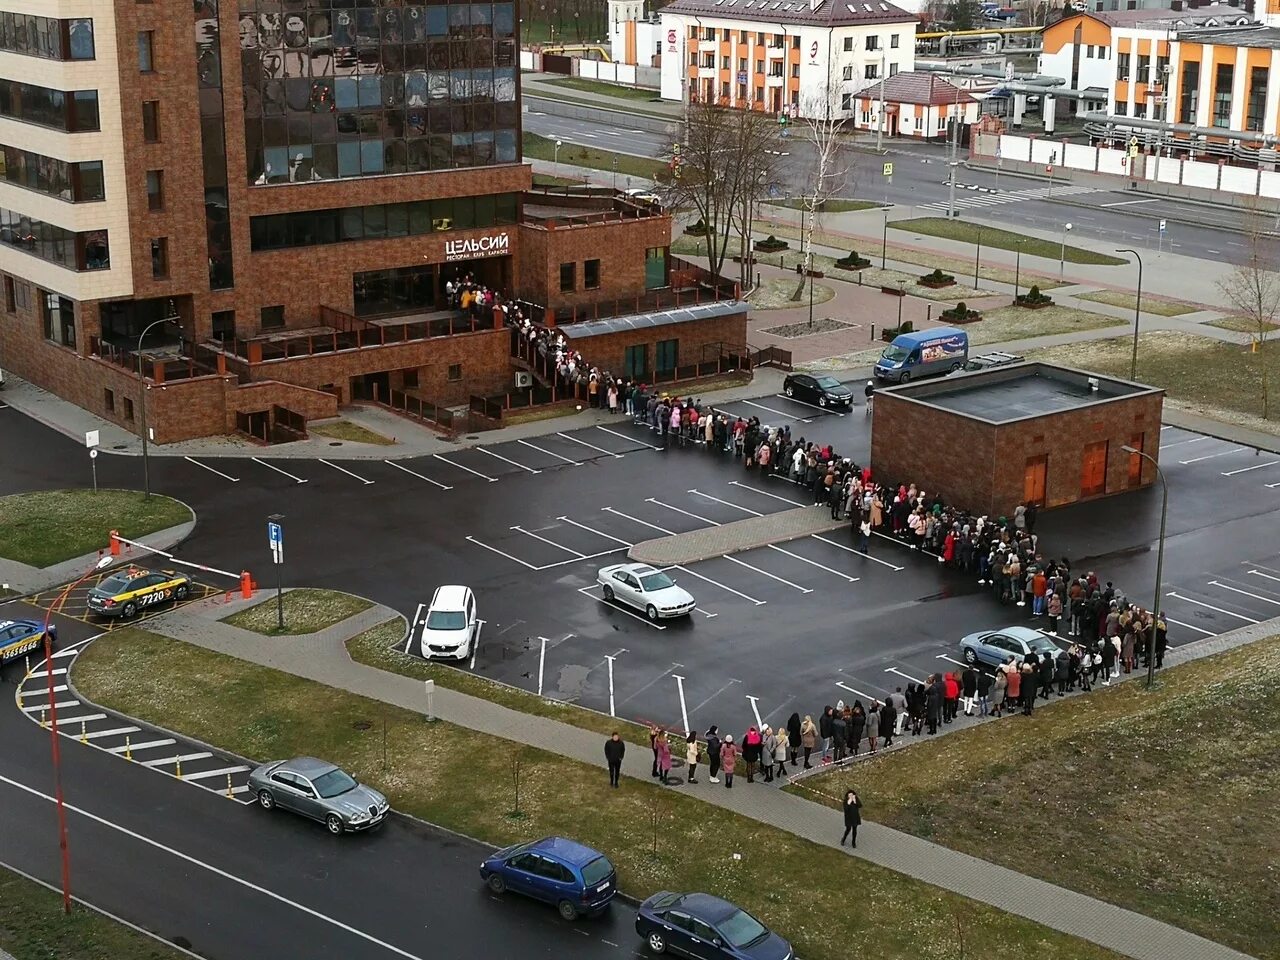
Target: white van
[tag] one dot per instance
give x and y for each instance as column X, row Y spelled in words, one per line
column 450, row 628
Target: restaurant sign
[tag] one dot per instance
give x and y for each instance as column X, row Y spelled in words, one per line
column 497, row 245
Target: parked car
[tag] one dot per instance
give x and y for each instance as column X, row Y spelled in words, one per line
column 704, row 927
column 923, row 353
column 642, row 195
column 986, row 361
column 994, row 647
column 321, row 791
column 645, row 588
column 450, row 626
column 124, row 593
column 823, row 391
column 18, row 637
column 578, row 880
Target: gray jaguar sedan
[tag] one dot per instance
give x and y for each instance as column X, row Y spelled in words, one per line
column 321, row 791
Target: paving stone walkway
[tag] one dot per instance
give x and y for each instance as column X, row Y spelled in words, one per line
column 322, row 657
column 735, row 536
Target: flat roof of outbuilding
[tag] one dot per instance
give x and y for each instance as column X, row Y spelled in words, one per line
column 1019, row 392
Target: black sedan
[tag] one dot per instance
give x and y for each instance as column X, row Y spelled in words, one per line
column 819, row 391
column 704, row 927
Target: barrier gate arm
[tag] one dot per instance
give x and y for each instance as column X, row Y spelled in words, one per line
column 246, row 580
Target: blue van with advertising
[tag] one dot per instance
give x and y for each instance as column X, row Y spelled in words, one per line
column 924, row 353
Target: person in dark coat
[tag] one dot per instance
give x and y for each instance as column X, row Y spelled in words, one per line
column 1062, row 672
column 713, row 752
column 968, row 689
column 857, row 727
column 985, row 682
column 825, row 726
column 614, row 751
column 888, row 722
column 1047, row 670
column 852, row 817
column 840, row 736
column 793, row 736
column 1162, row 640
column 933, row 703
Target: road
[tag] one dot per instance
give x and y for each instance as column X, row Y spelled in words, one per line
column 919, row 188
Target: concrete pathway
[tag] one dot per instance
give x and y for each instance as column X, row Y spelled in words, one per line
column 322, row 657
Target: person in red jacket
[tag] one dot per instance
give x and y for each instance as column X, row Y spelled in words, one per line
column 951, row 701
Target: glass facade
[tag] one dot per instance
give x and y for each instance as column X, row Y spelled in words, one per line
column 343, row 88
column 213, row 146
column 398, row 290
column 51, row 176
column 72, row 112
column 75, row 251
column 378, row 222
column 46, row 37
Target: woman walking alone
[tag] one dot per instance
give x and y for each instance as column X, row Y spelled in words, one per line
column 852, row 817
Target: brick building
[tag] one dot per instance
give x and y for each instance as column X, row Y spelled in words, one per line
column 258, row 205
column 1029, row 433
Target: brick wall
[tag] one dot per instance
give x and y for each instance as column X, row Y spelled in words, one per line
column 252, row 397
column 699, row 341
column 935, row 449
column 619, row 246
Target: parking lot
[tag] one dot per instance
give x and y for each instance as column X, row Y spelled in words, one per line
column 75, row 606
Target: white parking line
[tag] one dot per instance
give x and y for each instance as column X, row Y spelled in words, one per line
column 1215, row 583
column 815, row 563
column 1210, row 456
column 866, row 556
column 514, row 463
column 598, row 533
column 619, row 606
column 221, row 772
column 736, row 593
column 549, row 453
column 643, row 523
column 659, row 503
column 205, row 466
column 699, row 706
column 1189, row 626
column 755, row 709
column 765, row 493
column 468, row 469
column 699, row 493
column 1238, row 616
column 1267, row 576
column 529, row 533
column 81, row 718
column 781, row 413
column 270, row 466
column 523, row 563
column 61, row 705
column 346, row 471
column 392, row 463
column 150, row 744
column 859, row 693
column 627, row 438
column 766, row 573
column 1166, row 446
column 115, row 732
column 943, row 656
column 592, row 446
column 1256, row 466
column 804, row 403
column 184, row 757
column 901, row 674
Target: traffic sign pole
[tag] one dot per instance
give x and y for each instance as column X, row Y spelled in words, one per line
column 275, row 537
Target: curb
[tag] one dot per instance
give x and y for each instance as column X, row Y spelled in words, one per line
column 707, row 553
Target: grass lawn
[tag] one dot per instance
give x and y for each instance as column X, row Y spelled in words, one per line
column 621, row 91
column 1016, row 323
column 1213, row 379
column 1152, row 305
column 382, row 647
column 542, row 148
column 777, row 294
column 32, row 925
column 41, row 529
column 1241, row 325
column 306, row 610
column 835, row 205
column 819, row 897
column 1003, row 239
column 1165, row 802
column 351, row 432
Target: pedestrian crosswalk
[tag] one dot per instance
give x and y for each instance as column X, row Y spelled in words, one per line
column 976, row 197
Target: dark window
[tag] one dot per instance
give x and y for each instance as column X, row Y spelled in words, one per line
column 1190, row 102
column 635, row 361
column 59, row 320
column 224, row 324
column 1222, row 94
column 873, row 43
column 10, row 304
column 395, row 291
column 1257, row 107
column 155, row 189
column 146, row 51
column 568, row 277
column 273, row 317
column 591, row 274
column 655, row 268
column 87, row 182
column 410, row 378
column 1122, row 66
column 1144, row 69
column 160, row 257
column 151, row 121
column 75, row 251
column 109, row 399
column 276, row 231
column 128, row 408
column 455, row 371
column 666, row 356
column 50, row 176
column 44, row 107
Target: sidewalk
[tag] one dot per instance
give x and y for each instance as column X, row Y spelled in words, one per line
column 322, row 657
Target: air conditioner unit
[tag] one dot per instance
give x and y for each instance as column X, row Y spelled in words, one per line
column 524, row 380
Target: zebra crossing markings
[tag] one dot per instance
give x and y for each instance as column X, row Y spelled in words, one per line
column 997, row 197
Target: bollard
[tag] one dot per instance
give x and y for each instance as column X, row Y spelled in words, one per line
column 128, row 749
column 20, row 696
column 859, row 278
column 230, row 794
column 227, row 598
column 246, row 585
column 28, row 667
column 177, row 767
column 873, row 331
column 431, row 694
column 928, row 313
column 115, row 543
column 83, row 737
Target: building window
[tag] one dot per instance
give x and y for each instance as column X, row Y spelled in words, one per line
column 666, row 356
column 1257, row 98
column 151, row 121
column 71, row 112
column 1122, row 108
column 155, row 189
column 56, row 178
column 160, row 258
column 725, row 63
column 1144, row 69
column 775, row 69
column 410, row 379
column 759, row 39
column 591, row 274
column 46, row 37
column 709, row 33
column 871, row 71
column 742, row 36
column 847, row 73
column 146, row 51
column 223, row 324
column 1189, row 105
column 75, row 251
column 893, row 69
column 1222, row 94
column 342, row 224
column 742, row 64
column 795, row 70
column 273, row 317
column 873, row 42
column 1122, row 66
column 759, row 66
column 128, row 408
column 848, row 44
column 568, row 277
column 795, row 42
column 635, row 361
column 655, row 268
column 455, row 372
column 109, row 399
column 846, row 101
column 893, row 41
column 10, row 300
column 399, row 290
column 59, row 320
column 709, row 61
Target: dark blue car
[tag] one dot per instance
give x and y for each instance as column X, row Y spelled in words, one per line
column 577, row 879
column 18, row 637
column 704, row 927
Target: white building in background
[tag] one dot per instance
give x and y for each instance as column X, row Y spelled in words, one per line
column 635, row 34
column 773, row 55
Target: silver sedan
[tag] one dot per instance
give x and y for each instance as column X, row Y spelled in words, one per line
column 645, row 588
column 321, row 791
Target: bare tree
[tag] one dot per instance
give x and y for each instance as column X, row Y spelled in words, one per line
column 1253, row 290
column 830, row 171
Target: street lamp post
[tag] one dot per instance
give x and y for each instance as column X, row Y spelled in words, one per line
column 1137, row 313
column 146, row 459
column 556, row 155
column 1164, row 514
column 884, row 241
column 1062, row 255
column 951, row 190
column 977, row 258
column 55, row 743
column 902, row 295
column 808, row 267
column 1017, row 267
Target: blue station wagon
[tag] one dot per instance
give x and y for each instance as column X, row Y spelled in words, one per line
column 578, row 880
